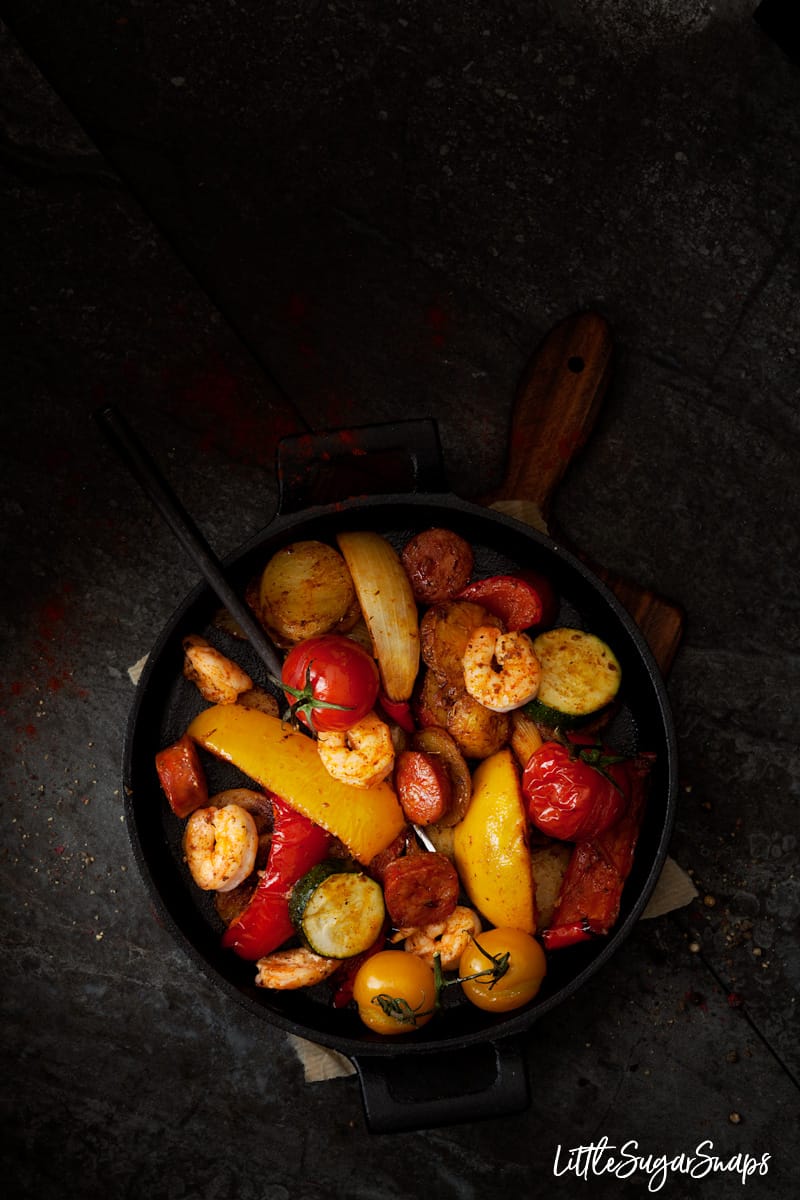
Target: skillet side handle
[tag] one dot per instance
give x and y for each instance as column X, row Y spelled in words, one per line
column 409, row 1093
column 367, row 460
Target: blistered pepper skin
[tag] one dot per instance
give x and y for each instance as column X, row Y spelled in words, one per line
column 591, row 892
column 297, row 845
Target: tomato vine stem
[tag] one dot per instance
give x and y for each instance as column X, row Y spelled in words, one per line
column 306, row 702
column 498, row 967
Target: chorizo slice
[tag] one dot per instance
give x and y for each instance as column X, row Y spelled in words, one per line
column 182, row 778
column 420, row 889
column 438, row 563
column 438, row 742
column 423, row 787
column 401, row 845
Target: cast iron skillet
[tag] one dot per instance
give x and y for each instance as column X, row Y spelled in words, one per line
column 465, row 1064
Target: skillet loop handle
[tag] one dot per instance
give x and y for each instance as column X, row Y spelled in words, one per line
column 450, row 1087
column 367, row 460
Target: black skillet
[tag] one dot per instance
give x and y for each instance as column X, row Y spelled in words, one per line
column 465, row 1065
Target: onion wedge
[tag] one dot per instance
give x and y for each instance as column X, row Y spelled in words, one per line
column 387, row 602
column 525, row 736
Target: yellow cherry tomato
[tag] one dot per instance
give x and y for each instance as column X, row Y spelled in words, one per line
column 502, row 969
column 395, row 992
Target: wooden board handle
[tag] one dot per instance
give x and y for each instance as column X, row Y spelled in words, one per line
column 557, row 402
column 556, row 406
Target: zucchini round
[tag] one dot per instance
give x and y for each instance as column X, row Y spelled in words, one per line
column 580, row 677
column 338, row 912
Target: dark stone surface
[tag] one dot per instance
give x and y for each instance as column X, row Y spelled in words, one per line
column 235, row 223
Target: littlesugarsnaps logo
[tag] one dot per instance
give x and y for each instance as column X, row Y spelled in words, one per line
column 603, row 1158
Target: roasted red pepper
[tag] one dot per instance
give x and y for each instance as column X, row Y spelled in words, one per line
column 574, row 792
column 592, row 888
column 182, row 777
column 520, row 601
column 398, row 711
column 297, row 845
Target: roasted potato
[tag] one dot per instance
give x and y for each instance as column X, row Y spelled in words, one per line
column 432, row 700
column 477, row 731
column 306, row 589
column 444, row 632
column 548, row 865
column 442, row 837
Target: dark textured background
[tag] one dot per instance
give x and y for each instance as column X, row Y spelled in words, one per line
column 235, row 219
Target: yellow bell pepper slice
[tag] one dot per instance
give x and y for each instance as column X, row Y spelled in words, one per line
column 287, row 762
column 490, row 846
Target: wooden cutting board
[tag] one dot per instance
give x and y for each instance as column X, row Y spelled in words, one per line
column 555, row 409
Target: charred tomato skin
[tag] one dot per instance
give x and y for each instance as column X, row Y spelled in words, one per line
column 569, row 797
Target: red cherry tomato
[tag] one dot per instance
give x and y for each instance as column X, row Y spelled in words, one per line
column 330, row 670
column 574, row 793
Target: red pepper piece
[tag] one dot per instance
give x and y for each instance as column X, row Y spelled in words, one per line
column 520, row 601
column 567, row 935
column 398, row 711
column 592, row 889
column 297, row 845
column 182, row 777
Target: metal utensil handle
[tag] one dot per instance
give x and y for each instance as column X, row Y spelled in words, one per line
column 127, row 445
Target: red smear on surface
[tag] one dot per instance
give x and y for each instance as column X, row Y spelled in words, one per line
column 438, row 322
column 57, row 459
column 351, row 441
column 297, row 307
column 51, row 614
column 55, row 634
column 225, row 420
column 735, row 1000
column 696, row 999
column 296, row 312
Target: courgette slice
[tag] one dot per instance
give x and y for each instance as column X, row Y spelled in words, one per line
column 337, row 912
column 580, row 677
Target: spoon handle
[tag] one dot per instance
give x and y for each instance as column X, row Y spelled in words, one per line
column 138, row 461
